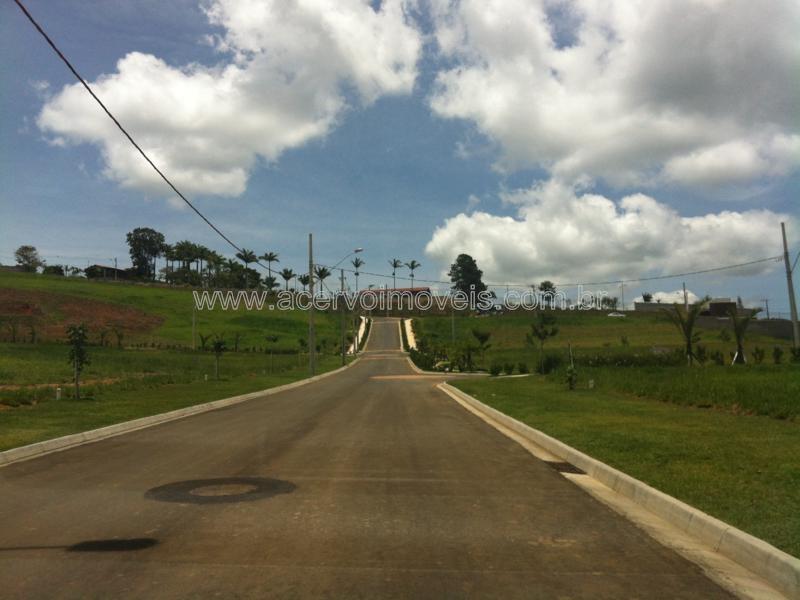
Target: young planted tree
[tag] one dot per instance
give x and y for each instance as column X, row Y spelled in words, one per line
column 270, row 339
column 78, row 337
column 739, row 324
column 685, row 321
column 218, row 347
column 543, row 328
column 482, row 338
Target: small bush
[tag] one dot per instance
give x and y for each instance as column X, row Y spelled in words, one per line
column 550, row 363
column 777, row 355
column 758, row 355
column 572, row 377
column 701, row 354
column 508, row 368
column 495, row 369
column 522, row 367
column 718, row 358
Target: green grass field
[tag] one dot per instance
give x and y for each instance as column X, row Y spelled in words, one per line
column 744, row 471
column 153, row 371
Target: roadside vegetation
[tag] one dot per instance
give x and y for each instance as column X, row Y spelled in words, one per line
column 743, row 470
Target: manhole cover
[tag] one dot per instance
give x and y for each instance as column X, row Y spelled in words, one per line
column 217, row 491
column 229, row 489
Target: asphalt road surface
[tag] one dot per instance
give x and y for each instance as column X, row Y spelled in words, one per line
column 368, row 484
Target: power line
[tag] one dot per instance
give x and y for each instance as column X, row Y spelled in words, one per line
column 123, row 130
column 585, row 283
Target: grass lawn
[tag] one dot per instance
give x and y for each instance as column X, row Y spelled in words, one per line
column 741, row 469
column 132, row 399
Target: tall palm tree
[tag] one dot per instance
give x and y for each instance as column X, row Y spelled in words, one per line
column 322, row 273
column 304, row 280
column 685, row 319
column 412, row 266
column 739, row 322
column 357, row 264
column 269, row 258
column 395, row 263
column 247, row 257
column 287, row 275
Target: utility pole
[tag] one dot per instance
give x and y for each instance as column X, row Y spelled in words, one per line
column 312, row 334
column 115, row 268
column 685, row 298
column 766, row 303
column 792, row 302
column 622, row 294
column 341, row 311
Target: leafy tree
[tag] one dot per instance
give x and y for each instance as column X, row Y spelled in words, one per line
column 78, row 337
column 269, row 258
column 395, row 263
column 218, row 347
column 287, row 275
column 542, row 328
column 28, row 259
column 53, row 270
column 685, row 321
column 271, row 283
column 412, row 266
column 739, row 324
column 145, row 245
column 466, row 276
column 357, row 263
column 647, row 297
column 547, row 291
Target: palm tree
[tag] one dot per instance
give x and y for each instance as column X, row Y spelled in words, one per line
column 247, row 257
column 685, row 319
column 287, row 275
column 304, row 280
column 395, row 263
column 739, row 324
column 270, row 283
column 322, row 273
column 357, row 264
column 269, row 258
column 411, row 267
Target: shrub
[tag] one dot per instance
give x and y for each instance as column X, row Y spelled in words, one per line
column 522, row 367
column 700, row 354
column 627, row 359
column 508, row 368
column 572, row 377
column 758, row 355
column 795, row 354
column 624, row 341
column 549, row 363
column 777, row 355
column 495, row 369
column 718, row 358
column 422, row 359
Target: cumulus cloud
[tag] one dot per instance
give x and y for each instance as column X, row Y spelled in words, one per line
column 284, row 84
column 567, row 235
column 633, row 91
column 671, row 297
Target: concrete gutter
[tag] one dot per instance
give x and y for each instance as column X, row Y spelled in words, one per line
column 14, row 455
column 776, row 567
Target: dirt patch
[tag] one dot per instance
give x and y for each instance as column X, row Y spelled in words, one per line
column 45, row 315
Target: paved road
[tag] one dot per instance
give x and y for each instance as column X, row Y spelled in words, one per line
column 370, row 483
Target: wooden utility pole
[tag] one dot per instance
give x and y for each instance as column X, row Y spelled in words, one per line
column 341, row 319
column 312, row 334
column 792, row 302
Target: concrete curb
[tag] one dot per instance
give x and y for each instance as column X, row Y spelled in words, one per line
column 14, row 455
column 775, row 566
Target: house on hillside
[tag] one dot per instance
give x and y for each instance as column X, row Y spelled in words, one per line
column 106, row 273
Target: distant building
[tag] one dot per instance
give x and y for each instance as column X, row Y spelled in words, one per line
column 104, row 272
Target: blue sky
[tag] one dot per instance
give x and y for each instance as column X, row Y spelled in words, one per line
column 398, row 160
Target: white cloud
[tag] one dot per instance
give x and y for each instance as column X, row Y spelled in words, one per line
column 568, row 236
column 285, row 86
column 620, row 88
column 671, row 297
